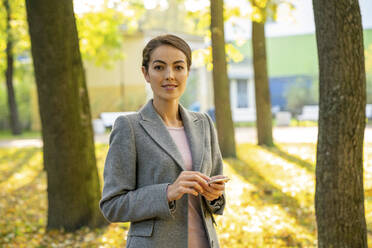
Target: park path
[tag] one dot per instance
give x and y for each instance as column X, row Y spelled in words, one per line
column 242, row 135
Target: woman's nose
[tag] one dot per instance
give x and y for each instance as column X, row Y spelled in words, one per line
column 170, row 74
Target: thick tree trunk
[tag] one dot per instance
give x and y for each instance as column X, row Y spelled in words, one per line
column 339, row 197
column 15, row 125
column 261, row 83
column 225, row 125
column 69, row 157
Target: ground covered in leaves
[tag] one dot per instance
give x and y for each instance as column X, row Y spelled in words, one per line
column 270, row 200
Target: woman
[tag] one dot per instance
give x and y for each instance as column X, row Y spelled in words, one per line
column 161, row 158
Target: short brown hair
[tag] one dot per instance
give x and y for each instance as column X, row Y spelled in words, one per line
column 169, row 40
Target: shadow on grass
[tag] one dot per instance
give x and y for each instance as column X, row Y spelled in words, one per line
column 290, row 158
column 27, row 196
column 271, row 194
column 29, row 185
column 9, row 154
column 22, row 156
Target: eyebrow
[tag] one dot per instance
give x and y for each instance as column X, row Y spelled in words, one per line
column 161, row 61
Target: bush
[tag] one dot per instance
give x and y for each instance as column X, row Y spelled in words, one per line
column 22, row 90
column 299, row 95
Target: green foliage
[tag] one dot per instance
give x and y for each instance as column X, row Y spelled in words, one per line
column 262, row 10
column 19, row 34
column 204, row 56
column 3, row 107
column 369, row 88
column 101, row 33
column 23, row 71
column 200, row 20
column 23, row 98
column 101, row 37
column 6, row 135
column 368, row 56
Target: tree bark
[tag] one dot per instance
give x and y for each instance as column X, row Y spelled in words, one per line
column 69, row 156
column 15, row 124
column 339, row 196
column 225, row 125
column 261, row 83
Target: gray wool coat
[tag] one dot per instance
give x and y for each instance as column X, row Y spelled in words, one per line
column 141, row 162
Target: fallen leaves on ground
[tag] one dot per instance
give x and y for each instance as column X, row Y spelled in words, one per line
column 270, row 200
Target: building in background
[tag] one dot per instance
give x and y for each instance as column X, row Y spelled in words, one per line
column 291, row 56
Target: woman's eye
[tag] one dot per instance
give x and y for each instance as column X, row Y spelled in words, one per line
column 179, row 68
column 158, row 67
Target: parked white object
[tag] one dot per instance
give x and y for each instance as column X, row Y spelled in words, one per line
column 283, row 118
column 108, row 118
column 98, row 126
column 309, row 113
column 369, row 111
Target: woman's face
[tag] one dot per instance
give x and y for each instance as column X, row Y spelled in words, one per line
column 167, row 73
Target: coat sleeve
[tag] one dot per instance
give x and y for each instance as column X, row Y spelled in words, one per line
column 121, row 200
column 216, row 206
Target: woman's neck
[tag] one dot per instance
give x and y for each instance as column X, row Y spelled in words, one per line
column 168, row 111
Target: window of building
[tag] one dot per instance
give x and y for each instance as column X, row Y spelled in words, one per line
column 242, row 93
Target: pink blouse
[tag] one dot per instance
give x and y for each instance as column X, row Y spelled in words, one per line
column 197, row 237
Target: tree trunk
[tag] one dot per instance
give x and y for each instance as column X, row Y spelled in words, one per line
column 225, row 125
column 15, row 125
column 69, row 156
column 261, row 83
column 339, row 196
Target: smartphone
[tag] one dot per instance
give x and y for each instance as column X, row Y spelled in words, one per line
column 217, row 180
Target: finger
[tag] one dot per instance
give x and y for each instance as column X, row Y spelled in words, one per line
column 210, row 196
column 200, row 175
column 209, row 189
column 196, row 173
column 217, row 186
column 215, row 191
column 196, row 177
column 190, row 191
column 194, row 185
column 205, row 177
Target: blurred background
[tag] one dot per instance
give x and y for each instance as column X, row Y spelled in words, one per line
column 113, row 33
column 272, row 189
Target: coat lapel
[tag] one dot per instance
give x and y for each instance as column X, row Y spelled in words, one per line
column 156, row 129
column 195, row 134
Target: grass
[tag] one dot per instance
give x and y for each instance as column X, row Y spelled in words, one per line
column 293, row 123
column 7, row 135
column 270, row 200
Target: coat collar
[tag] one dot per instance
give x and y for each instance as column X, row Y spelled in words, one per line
column 156, row 129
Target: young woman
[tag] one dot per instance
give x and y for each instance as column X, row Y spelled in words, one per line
column 161, row 159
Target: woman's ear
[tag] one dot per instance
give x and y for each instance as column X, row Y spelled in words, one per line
column 145, row 74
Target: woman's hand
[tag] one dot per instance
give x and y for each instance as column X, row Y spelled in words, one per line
column 188, row 182
column 214, row 190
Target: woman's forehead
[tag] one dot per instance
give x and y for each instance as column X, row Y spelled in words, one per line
column 167, row 54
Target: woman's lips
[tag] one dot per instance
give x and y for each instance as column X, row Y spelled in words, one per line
column 169, row 86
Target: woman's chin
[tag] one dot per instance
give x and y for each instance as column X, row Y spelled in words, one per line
column 168, row 97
